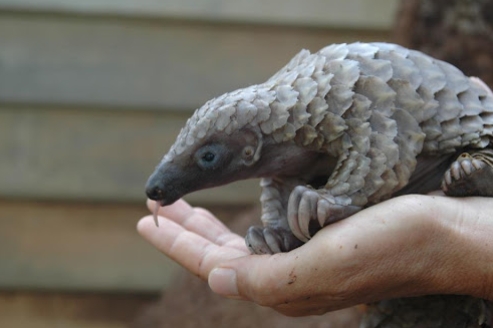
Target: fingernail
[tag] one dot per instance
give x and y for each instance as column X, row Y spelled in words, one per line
column 223, row 282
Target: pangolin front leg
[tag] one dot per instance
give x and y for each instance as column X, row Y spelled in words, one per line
column 310, row 209
column 275, row 236
column 470, row 175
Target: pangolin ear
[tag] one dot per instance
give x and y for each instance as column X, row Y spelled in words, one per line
column 252, row 139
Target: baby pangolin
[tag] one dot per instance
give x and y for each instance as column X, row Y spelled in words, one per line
column 334, row 132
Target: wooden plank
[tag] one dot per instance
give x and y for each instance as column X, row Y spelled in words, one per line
column 77, row 247
column 93, row 155
column 80, row 247
column 70, row 310
column 143, row 64
column 348, row 13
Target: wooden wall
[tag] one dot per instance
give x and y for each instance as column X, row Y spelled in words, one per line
column 92, row 94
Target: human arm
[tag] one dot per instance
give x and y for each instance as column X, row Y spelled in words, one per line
column 407, row 246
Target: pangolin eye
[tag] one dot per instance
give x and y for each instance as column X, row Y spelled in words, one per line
column 208, row 157
column 212, row 156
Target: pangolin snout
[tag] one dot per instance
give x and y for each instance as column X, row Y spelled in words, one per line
column 164, row 186
column 155, row 189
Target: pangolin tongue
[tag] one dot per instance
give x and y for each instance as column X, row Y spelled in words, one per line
column 154, row 213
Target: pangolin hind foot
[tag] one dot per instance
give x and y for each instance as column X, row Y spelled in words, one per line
column 470, row 175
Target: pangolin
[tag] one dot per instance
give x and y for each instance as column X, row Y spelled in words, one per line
column 334, row 132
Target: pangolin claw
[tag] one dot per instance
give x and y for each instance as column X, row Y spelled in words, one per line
column 260, row 240
column 310, row 210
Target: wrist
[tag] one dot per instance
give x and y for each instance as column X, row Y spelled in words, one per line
column 467, row 256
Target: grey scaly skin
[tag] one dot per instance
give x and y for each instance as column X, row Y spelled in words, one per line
column 334, row 132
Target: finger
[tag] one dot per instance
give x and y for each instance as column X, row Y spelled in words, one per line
column 205, row 229
column 177, row 209
column 180, row 212
column 209, row 216
column 194, row 252
column 195, row 220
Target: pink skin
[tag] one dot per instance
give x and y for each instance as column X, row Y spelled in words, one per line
column 407, row 246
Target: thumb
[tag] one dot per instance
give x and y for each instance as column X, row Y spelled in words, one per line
column 267, row 280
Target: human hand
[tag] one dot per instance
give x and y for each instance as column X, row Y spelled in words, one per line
column 407, row 246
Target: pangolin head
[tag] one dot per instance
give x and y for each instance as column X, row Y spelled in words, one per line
column 223, row 140
column 219, row 144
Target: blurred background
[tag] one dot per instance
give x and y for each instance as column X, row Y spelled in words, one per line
column 92, row 94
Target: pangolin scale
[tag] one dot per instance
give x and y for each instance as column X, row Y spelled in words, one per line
column 336, row 131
